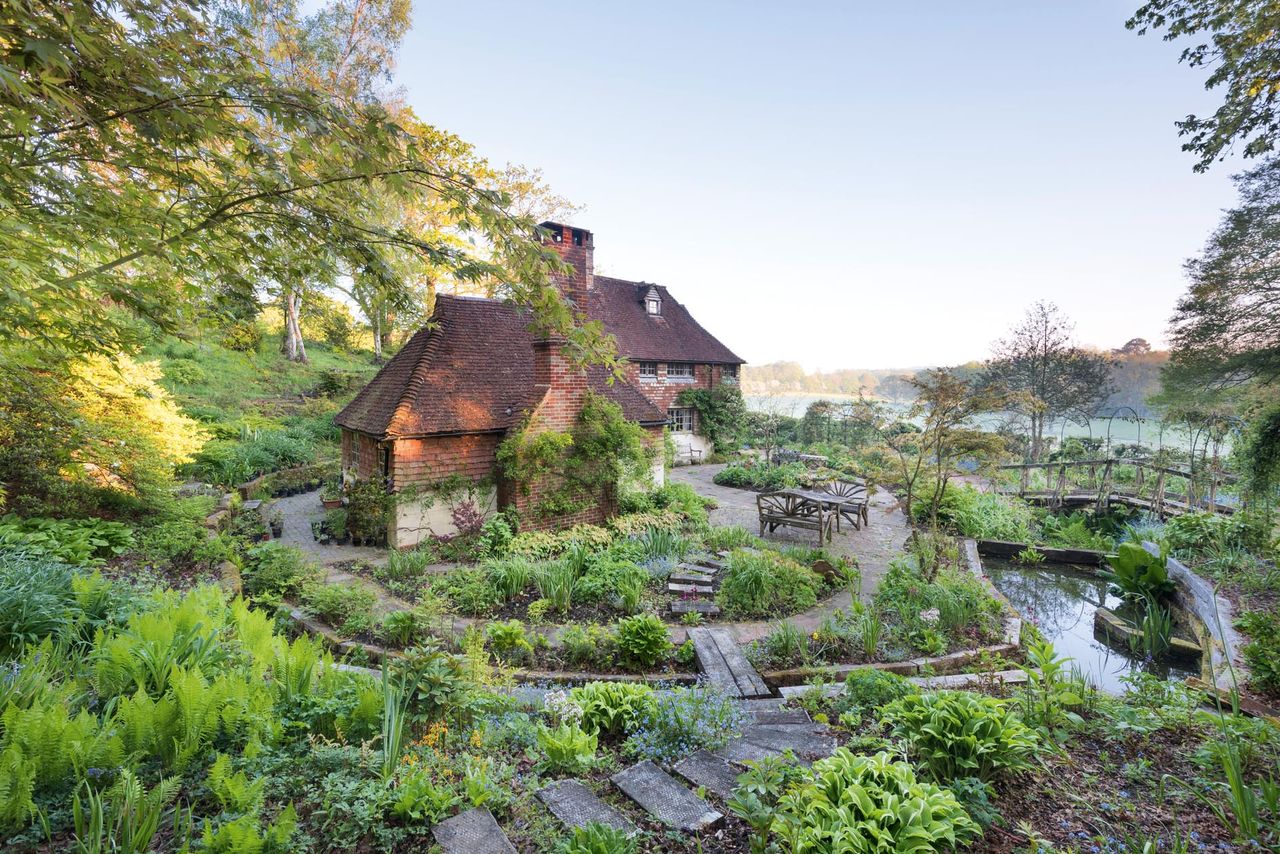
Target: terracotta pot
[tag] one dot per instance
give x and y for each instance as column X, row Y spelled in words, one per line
column 331, row 503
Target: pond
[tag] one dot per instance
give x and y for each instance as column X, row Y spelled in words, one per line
column 1061, row 600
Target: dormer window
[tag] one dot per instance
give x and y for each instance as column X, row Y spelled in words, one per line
column 648, row 370
column 653, row 305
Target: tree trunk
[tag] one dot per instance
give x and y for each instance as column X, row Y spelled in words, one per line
column 293, row 347
column 377, row 338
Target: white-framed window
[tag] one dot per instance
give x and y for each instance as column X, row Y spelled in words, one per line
column 680, row 419
column 653, row 305
column 680, row 371
column 729, row 373
column 648, row 370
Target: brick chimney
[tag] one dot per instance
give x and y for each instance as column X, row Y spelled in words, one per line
column 548, row 362
column 577, row 248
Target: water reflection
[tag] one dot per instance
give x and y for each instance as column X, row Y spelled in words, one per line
column 1061, row 601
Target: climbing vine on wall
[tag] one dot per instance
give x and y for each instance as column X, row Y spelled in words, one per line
column 721, row 414
column 577, row 468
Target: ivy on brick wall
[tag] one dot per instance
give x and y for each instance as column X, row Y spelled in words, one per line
column 721, row 414
column 574, row 470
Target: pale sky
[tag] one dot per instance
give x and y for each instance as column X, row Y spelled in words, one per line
column 857, row 184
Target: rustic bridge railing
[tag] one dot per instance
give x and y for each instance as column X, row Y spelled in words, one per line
column 1163, row 490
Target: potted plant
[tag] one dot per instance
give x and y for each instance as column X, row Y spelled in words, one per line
column 331, row 495
column 277, row 524
column 335, row 523
column 368, row 512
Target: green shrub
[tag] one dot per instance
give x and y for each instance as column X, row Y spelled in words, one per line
column 588, row 646
column 509, row 641
column 613, row 708
column 605, row 579
column 683, row 721
column 870, row 688
column 764, row 584
column 1262, row 652
column 496, row 535
column 471, row 591
column 275, row 569
column 1072, row 531
column 636, row 524
column 347, row 609
column 982, row 515
column 761, row 476
column 643, row 640
column 731, row 537
column 400, row 628
column 870, row 804
column 960, row 734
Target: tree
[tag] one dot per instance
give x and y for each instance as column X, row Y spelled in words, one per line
column 1226, row 328
column 1044, row 375
column 1240, row 41
column 947, row 404
column 145, row 157
column 1135, row 347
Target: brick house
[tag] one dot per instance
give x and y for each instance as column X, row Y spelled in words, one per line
column 442, row 405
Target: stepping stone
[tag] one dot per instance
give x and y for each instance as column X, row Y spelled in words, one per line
column 780, row 716
column 472, row 832
column 696, row 606
column 700, row 568
column 739, row 751
column 662, row 796
column 710, row 771
column 576, row 806
column 708, row 563
column 691, row 578
column 810, row 745
column 763, row 703
column 725, row 665
column 703, row 589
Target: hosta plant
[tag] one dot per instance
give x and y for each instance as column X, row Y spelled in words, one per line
column 961, row 734
column 613, row 708
column 643, row 640
column 870, row 804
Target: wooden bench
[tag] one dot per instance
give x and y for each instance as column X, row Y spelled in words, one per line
column 853, row 502
column 787, row 508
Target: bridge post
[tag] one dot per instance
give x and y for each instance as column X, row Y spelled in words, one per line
column 1104, row 489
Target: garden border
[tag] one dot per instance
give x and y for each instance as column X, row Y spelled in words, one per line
column 948, row 663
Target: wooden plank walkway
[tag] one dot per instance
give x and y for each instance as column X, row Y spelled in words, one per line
column 725, row 665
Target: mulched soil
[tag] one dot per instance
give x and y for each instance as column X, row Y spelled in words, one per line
column 1084, row 795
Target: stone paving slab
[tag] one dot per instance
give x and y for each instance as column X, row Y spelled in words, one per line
column 741, row 751
column 759, row 703
column 709, row 771
column 663, row 797
column 807, row 744
column 698, row 606
column 577, row 806
column 472, row 832
column 780, row 716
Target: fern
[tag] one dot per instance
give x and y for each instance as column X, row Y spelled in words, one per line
column 242, row 836
column 56, row 742
column 125, row 819
column 234, row 791
column 17, row 785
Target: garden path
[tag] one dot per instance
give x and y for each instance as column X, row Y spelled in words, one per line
column 873, row 546
column 298, row 512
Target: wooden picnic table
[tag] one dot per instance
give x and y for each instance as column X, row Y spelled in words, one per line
column 810, row 509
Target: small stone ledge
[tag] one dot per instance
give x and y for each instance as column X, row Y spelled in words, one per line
column 1008, row 550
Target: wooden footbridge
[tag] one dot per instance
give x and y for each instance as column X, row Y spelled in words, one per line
column 1162, row 490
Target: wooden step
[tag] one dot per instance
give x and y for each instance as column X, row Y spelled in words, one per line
column 664, row 798
column 741, row 752
column 779, row 716
column 801, row 741
column 725, row 665
column 696, row 589
column 691, row 578
column 702, row 568
column 695, row 606
column 577, row 806
column 709, row 564
column 472, row 832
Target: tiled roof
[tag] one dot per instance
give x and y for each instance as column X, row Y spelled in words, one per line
column 470, row 371
column 673, row 336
